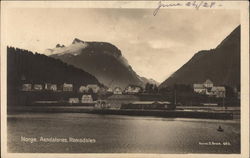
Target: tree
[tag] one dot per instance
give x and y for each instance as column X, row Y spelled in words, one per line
column 90, row 91
column 149, row 88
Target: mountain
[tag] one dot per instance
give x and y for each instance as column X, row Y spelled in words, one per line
column 101, row 59
column 221, row 65
column 25, row 66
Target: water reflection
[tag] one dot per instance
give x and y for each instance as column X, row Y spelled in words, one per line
column 121, row 134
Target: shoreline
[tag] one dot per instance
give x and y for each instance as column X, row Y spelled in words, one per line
column 178, row 113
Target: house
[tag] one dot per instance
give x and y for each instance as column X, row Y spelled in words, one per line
column 74, row 100
column 219, row 91
column 199, row 88
column 26, row 87
column 117, row 90
column 83, row 89
column 67, row 87
column 133, row 89
column 50, row 87
column 38, row 87
column 94, row 87
column 110, row 90
column 87, row 99
column 204, row 88
column 209, row 89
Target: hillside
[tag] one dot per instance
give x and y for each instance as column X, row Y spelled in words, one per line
column 221, row 65
column 25, row 66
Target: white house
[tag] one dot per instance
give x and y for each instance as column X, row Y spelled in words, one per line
column 199, row 88
column 67, row 87
column 83, row 89
column 73, row 100
column 117, row 90
column 133, row 89
column 209, row 89
column 51, row 87
column 110, row 90
column 87, row 99
column 204, row 88
column 38, row 87
column 219, row 92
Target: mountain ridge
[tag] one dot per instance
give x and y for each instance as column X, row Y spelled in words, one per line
column 211, row 64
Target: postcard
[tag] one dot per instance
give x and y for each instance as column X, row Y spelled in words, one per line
column 125, row 79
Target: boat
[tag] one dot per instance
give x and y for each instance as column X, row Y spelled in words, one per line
column 220, row 129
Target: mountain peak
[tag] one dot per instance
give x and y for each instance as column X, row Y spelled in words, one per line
column 76, row 40
column 102, row 59
column 60, row 46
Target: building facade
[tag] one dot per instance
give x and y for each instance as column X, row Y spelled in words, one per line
column 74, row 100
column 83, row 89
column 67, row 87
column 117, row 90
column 219, row 92
column 87, row 99
column 50, row 87
column 199, row 88
column 38, row 87
column 133, row 89
column 208, row 88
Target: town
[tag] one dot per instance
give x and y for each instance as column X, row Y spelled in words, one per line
column 131, row 97
column 93, row 95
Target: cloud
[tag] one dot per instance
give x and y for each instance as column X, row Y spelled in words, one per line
column 164, row 44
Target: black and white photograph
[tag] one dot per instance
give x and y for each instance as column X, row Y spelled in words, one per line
column 161, row 78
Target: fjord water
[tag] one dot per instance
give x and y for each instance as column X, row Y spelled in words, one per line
column 121, row 134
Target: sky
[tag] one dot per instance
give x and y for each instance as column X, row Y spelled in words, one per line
column 155, row 46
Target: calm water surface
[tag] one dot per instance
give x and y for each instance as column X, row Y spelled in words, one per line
column 121, row 134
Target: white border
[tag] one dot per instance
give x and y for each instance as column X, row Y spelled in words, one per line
column 240, row 5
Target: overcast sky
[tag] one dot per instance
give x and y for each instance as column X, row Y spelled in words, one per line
column 155, row 46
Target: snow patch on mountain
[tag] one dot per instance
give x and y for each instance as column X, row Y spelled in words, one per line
column 74, row 49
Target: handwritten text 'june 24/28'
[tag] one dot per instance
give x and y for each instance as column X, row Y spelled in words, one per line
column 194, row 4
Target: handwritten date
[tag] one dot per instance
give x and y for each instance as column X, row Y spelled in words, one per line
column 194, row 4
